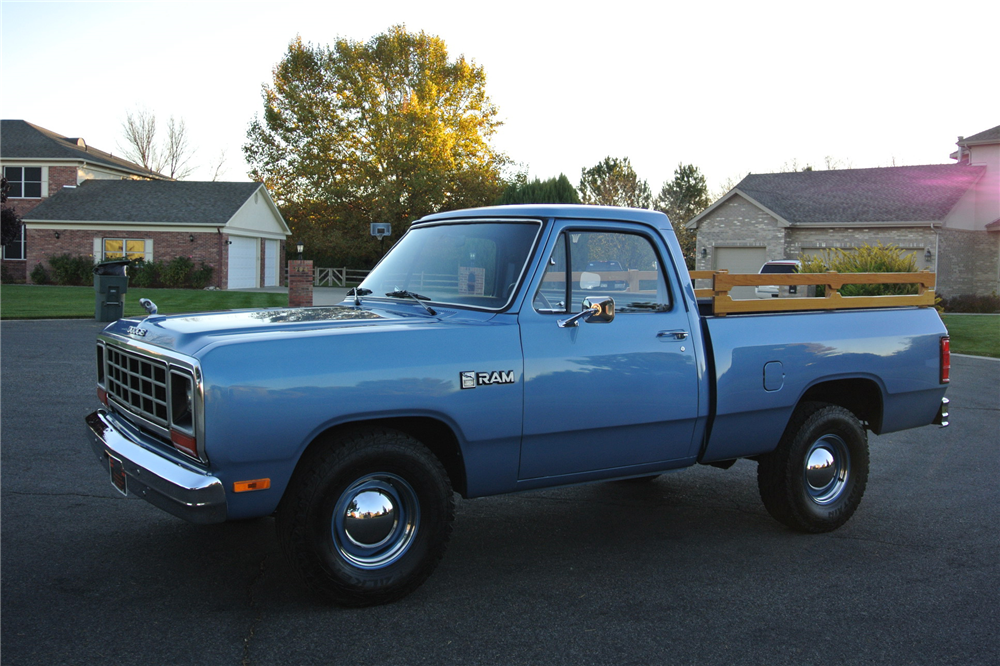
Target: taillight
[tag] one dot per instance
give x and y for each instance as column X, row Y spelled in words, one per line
column 945, row 359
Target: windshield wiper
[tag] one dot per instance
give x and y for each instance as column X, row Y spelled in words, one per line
column 358, row 292
column 402, row 293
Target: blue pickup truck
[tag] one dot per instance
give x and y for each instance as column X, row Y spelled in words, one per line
column 481, row 356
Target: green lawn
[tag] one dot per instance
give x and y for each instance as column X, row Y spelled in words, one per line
column 18, row 301
column 978, row 335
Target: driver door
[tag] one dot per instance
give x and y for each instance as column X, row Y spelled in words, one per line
column 603, row 396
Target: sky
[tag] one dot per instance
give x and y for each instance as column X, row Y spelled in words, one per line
column 731, row 87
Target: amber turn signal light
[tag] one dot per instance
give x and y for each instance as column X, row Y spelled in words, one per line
column 247, row 486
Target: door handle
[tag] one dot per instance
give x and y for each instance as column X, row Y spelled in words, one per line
column 676, row 335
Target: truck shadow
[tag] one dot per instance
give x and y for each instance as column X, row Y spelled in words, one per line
column 639, row 536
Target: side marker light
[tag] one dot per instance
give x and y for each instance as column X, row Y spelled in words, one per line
column 248, row 486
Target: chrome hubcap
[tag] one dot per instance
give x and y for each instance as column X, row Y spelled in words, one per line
column 375, row 520
column 827, row 464
column 370, row 518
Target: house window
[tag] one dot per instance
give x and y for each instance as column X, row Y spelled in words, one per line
column 124, row 248
column 15, row 249
column 24, row 182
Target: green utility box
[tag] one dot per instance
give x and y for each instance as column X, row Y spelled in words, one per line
column 110, row 285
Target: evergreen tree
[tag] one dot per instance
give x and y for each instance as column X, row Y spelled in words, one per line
column 613, row 182
column 10, row 221
column 681, row 199
column 553, row 190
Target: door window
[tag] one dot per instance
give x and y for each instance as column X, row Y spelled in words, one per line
column 591, row 264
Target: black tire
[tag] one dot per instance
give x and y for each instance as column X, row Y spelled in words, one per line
column 356, row 557
column 823, row 495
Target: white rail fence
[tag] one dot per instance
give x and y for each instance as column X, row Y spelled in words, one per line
column 337, row 277
column 340, row 277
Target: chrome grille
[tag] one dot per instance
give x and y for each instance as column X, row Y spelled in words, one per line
column 138, row 382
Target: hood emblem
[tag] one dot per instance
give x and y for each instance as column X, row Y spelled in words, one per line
column 136, row 331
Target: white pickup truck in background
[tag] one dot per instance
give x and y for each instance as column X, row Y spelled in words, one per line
column 784, row 266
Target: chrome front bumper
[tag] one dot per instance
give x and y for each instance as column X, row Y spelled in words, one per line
column 172, row 485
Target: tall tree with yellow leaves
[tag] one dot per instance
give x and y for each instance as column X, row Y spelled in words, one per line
column 383, row 131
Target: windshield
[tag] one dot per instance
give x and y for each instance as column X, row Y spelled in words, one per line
column 476, row 264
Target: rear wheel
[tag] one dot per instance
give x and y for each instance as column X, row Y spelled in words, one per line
column 367, row 519
column 814, row 480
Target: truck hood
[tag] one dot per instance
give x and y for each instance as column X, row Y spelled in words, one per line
column 191, row 332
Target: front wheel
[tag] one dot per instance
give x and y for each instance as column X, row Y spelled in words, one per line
column 814, row 480
column 367, row 519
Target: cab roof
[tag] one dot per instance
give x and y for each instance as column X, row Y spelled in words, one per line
column 544, row 211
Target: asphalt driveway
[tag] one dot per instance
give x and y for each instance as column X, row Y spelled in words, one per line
column 688, row 569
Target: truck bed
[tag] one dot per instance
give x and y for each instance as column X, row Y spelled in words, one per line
column 764, row 364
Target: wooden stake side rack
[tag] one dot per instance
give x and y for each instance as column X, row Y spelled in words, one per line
column 723, row 281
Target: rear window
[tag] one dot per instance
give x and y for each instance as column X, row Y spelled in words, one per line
column 779, row 268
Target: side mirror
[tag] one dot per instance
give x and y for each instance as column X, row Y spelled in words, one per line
column 595, row 311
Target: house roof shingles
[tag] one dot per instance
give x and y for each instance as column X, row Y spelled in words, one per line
column 890, row 194
column 20, row 140
column 988, row 136
column 146, row 201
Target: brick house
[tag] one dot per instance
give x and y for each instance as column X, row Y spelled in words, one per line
column 38, row 163
column 947, row 215
column 233, row 227
column 75, row 199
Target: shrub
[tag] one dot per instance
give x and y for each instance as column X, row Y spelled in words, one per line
column 5, row 276
column 69, row 270
column 865, row 259
column 813, row 264
column 201, row 277
column 144, row 273
column 176, row 272
column 39, row 275
column 971, row 303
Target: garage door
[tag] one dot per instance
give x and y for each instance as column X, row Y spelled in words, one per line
column 740, row 260
column 271, row 248
column 242, row 262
